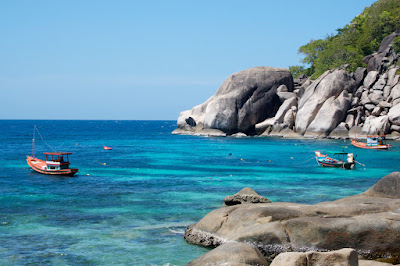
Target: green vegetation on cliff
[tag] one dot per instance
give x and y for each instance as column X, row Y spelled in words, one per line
column 352, row 42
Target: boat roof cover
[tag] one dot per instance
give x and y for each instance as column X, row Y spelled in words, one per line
column 57, row 153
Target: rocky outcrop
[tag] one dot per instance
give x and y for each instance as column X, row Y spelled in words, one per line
column 368, row 223
column 267, row 101
column 245, row 196
column 243, row 100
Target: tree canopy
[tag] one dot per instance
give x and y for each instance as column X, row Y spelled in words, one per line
column 352, row 42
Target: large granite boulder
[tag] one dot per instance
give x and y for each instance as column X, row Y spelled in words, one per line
column 331, row 84
column 332, row 112
column 243, row 100
column 376, row 125
column 234, row 254
column 394, row 115
column 368, row 223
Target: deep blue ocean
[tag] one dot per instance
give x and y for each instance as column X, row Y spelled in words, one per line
column 131, row 205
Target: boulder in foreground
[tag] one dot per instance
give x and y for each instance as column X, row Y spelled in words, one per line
column 368, row 223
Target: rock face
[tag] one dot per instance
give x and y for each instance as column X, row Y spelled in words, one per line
column 368, row 223
column 328, row 87
column 231, row 254
column 243, row 100
column 245, row 196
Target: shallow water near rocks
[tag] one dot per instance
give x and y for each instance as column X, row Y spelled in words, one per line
column 131, row 205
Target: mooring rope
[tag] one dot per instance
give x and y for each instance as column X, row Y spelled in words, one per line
column 305, row 161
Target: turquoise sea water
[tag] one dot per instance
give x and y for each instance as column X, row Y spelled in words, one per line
column 131, row 205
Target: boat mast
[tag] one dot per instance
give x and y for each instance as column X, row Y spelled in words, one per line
column 33, row 143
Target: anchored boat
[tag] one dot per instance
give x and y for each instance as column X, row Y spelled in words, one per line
column 56, row 163
column 342, row 159
column 376, row 142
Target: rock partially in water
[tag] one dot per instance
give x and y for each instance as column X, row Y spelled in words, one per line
column 245, row 196
column 368, row 223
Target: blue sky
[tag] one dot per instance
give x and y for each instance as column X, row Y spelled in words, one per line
column 145, row 60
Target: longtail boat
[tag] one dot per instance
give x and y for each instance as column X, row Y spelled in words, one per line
column 56, row 163
column 343, row 160
column 376, row 142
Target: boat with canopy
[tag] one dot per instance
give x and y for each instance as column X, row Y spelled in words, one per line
column 341, row 159
column 375, row 142
column 56, row 163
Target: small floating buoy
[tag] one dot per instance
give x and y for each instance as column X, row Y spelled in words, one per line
column 291, row 158
column 104, row 163
column 269, row 160
column 87, row 174
column 241, row 159
column 107, row 148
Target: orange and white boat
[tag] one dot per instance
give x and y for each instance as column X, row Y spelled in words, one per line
column 56, row 163
column 376, row 142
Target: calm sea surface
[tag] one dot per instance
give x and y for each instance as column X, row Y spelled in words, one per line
column 131, row 205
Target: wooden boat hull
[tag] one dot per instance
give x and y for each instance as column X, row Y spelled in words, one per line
column 363, row 145
column 344, row 165
column 40, row 167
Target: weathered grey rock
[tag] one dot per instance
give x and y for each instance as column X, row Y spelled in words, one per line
column 386, row 91
column 395, row 93
column 288, row 133
column 385, row 104
column 359, row 92
column 243, row 100
column 332, row 112
column 369, row 106
column 245, row 196
column 394, row 115
column 387, row 187
column 380, row 84
column 372, row 263
column 235, row 254
column 370, row 79
column 283, row 96
column 330, row 84
column 392, row 80
column 239, row 135
column 342, row 257
column 210, row 133
column 395, row 128
column 261, row 127
column 376, row 125
column 282, row 88
column 377, row 111
column 396, row 102
column 350, row 120
column 355, row 101
column 290, row 258
column 289, row 118
column 376, row 98
column 359, row 75
column 286, row 105
column 368, row 223
column 364, row 98
column 341, row 131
